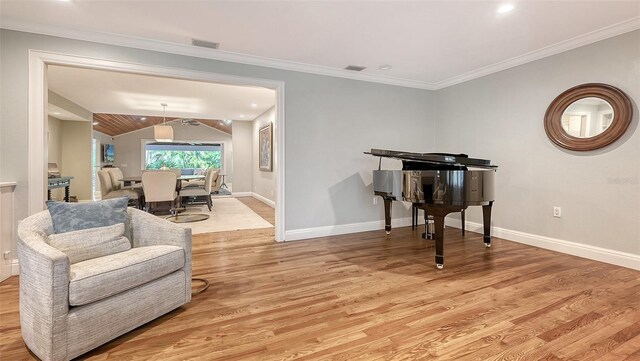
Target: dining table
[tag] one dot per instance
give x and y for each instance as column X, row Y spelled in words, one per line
column 128, row 181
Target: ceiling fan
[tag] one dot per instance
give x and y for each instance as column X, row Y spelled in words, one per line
column 188, row 121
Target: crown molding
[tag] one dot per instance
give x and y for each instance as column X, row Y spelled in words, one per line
column 576, row 42
column 227, row 56
column 190, row 50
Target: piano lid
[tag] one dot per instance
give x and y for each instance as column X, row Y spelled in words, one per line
column 458, row 160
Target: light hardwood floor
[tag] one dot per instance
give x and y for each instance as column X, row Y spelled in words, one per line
column 369, row 296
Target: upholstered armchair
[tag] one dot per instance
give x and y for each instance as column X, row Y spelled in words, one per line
column 68, row 308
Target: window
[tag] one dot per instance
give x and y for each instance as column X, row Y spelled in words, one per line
column 183, row 155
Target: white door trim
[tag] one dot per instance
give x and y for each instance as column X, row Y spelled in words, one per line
column 37, row 142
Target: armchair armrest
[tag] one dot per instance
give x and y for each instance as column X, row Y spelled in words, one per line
column 44, row 294
column 149, row 230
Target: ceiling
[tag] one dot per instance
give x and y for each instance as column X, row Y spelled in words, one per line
column 64, row 114
column 429, row 44
column 111, row 92
column 118, row 124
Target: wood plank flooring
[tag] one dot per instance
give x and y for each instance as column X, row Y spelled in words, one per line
column 263, row 210
column 369, row 296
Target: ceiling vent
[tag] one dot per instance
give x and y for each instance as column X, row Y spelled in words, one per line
column 356, row 68
column 204, row 44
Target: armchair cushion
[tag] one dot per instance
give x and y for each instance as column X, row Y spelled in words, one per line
column 67, row 217
column 99, row 278
column 91, row 243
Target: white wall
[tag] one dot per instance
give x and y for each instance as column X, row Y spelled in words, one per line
column 128, row 147
column 242, row 153
column 500, row 117
column 264, row 183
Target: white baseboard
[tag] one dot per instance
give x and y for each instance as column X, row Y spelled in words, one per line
column 618, row 258
column 242, row 194
column 15, row 267
column 264, row 200
column 306, row 233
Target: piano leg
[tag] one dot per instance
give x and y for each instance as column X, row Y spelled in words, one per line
column 462, row 218
column 438, row 214
column 387, row 214
column 414, row 216
column 486, row 219
column 439, row 230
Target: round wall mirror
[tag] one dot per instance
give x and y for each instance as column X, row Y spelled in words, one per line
column 588, row 117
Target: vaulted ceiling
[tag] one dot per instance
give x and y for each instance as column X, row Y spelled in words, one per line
column 118, row 124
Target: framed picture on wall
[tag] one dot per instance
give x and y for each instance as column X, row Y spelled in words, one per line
column 265, row 148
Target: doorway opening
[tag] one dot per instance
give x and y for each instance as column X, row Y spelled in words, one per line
column 38, row 100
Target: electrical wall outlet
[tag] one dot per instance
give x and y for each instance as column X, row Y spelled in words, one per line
column 557, row 212
column 375, row 200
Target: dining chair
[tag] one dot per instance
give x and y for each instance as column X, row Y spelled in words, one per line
column 159, row 187
column 107, row 191
column 216, row 181
column 204, row 191
column 116, row 180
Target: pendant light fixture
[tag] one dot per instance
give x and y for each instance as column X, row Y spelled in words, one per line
column 164, row 132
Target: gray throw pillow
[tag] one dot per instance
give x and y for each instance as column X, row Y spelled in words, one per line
column 68, row 217
column 91, row 243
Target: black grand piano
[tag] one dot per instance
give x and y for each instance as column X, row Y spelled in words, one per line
column 439, row 183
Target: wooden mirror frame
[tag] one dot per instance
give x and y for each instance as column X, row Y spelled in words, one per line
column 622, row 114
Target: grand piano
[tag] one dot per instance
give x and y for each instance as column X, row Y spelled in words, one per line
column 439, row 183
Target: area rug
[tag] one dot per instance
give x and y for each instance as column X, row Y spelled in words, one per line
column 227, row 214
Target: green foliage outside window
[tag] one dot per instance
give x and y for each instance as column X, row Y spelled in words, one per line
column 157, row 159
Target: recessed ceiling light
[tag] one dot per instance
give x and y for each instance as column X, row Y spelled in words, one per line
column 384, row 67
column 95, row 123
column 241, row 115
column 253, row 105
column 143, row 118
column 56, row 113
column 505, row 8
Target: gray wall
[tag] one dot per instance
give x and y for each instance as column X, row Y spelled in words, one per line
column 500, row 117
column 55, row 150
column 264, row 183
column 69, row 146
column 329, row 123
column 75, row 138
column 242, row 151
column 101, row 139
column 128, row 147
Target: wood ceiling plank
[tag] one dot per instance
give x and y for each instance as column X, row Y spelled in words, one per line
column 118, row 124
